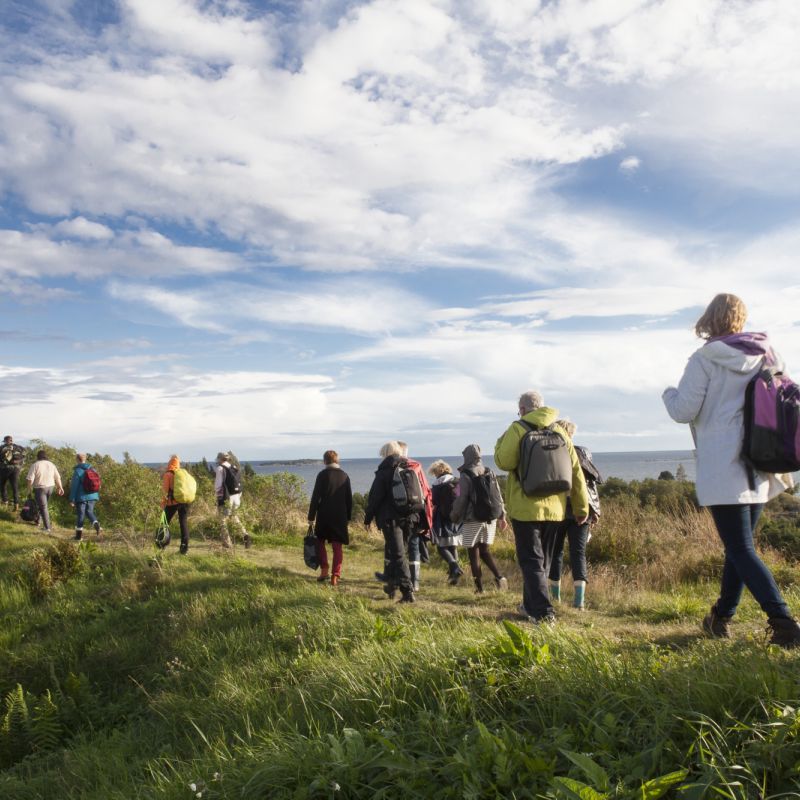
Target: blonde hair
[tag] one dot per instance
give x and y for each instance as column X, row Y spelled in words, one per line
column 439, row 468
column 568, row 426
column 390, row 449
column 726, row 313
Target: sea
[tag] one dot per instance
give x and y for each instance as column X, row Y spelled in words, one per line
column 628, row 466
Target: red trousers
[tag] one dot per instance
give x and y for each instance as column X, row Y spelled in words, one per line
column 322, row 557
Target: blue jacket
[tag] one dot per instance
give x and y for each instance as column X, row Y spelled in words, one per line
column 76, row 490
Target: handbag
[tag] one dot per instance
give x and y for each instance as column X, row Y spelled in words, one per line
column 310, row 548
column 162, row 532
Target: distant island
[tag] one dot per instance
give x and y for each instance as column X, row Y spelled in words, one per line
column 296, row 462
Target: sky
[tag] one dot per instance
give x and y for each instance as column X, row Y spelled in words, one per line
column 283, row 227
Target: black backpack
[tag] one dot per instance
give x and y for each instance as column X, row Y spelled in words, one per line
column 407, row 495
column 545, row 466
column 233, row 480
column 444, row 497
column 487, row 501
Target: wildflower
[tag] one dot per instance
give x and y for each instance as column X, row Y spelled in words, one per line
column 193, row 787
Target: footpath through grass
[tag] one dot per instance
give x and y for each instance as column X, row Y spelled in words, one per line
column 238, row 676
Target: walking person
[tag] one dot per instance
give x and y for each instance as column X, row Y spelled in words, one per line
column 173, row 499
column 710, row 397
column 477, row 534
column 577, row 535
column 392, row 521
column 228, row 490
column 331, row 509
column 12, row 456
column 446, row 533
column 535, row 517
column 43, row 478
column 84, row 492
column 418, row 525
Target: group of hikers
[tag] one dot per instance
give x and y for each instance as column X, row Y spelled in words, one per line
column 744, row 415
column 178, row 488
column 553, row 498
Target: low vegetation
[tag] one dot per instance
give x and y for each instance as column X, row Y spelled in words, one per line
column 129, row 673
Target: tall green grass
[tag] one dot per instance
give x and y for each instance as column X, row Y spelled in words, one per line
column 139, row 676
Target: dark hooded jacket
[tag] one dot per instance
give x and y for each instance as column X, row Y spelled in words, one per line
column 380, row 506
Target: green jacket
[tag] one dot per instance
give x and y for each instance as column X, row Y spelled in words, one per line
column 551, row 508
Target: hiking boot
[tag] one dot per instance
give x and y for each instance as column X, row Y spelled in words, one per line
column 408, row 597
column 717, row 626
column 247, row 541
column 96, row 526
column 380, row 577
column 785, row 632
column 478, row 585
column 454, row 576
column 522, row 612
column 547, row 619
column 78, row 534
column 184, row 548
column 501, row 583
column 390, row 591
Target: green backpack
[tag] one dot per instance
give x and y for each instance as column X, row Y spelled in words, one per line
column 184, row 486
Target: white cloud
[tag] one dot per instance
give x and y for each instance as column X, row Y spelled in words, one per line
column 82, row 228
column 363, row 307
column 630, row 164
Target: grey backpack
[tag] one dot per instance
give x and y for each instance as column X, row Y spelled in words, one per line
column 545, row 467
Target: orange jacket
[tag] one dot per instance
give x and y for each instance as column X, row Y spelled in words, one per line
column 168, row 481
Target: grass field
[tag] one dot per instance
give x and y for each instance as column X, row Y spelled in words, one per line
column 219, row 675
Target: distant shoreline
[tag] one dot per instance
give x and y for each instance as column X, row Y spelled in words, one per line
column 297, row 462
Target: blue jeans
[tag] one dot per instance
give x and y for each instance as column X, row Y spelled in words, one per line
column 84, row 508
column 577, row 536
column 735, row 525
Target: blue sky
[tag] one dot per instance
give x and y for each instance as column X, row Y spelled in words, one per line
column 283, row 227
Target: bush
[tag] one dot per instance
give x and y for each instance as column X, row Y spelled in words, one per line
column 57, row 563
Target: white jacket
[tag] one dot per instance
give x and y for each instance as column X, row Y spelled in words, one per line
column 710, row 396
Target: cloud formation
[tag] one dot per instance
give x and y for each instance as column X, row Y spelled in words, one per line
column 373, row 216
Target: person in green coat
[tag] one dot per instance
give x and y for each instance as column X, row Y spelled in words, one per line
column 535, row 519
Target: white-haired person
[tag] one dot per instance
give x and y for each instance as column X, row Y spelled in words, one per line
column 535, row 518
column 710, row 397
column 392, row 524
column 576, row 534
column 476, row 535
column 446, row 533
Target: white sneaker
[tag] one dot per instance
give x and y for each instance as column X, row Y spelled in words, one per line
column 502, row 584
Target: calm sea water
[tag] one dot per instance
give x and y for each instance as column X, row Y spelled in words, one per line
column 628, row 466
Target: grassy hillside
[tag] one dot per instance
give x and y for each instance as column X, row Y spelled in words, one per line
column 130, row 675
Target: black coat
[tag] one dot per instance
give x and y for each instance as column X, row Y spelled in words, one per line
column 331, row 505
column 380, row 505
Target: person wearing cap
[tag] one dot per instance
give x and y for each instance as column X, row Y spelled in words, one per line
column 43, row 477
column 228, row 489
column 11, row 458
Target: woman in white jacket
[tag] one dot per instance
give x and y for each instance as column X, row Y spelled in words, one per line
column 710, row 397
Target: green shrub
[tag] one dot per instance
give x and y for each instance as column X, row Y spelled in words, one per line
column 49, row 566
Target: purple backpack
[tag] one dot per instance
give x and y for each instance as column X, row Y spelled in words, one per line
column 771, row 417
